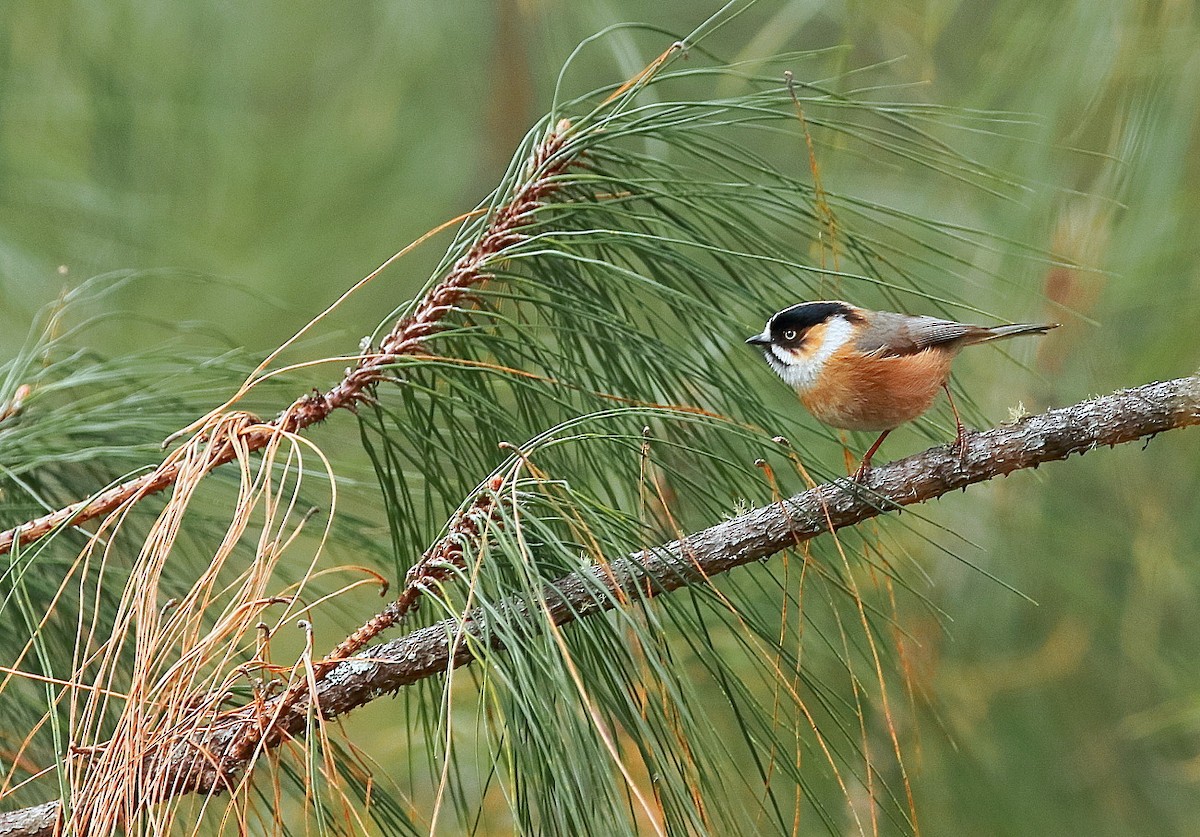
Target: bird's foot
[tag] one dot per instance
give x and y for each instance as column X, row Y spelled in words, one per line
column 960, row 445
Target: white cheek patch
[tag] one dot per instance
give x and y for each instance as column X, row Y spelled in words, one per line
column 801, row 372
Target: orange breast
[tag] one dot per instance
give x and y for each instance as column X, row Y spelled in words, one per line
column 860, row 392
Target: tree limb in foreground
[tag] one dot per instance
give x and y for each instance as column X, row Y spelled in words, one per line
column 1124, row 416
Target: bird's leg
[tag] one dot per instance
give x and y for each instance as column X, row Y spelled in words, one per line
column 865, row 466
column 960, row 441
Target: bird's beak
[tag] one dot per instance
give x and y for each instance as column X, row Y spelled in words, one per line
column 763, row 339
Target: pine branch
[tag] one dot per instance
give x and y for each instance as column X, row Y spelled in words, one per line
column 1124, row 416
column 546, row 163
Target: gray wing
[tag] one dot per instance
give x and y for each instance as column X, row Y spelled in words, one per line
column 889, row 334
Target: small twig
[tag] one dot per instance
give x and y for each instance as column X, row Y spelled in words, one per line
column 441, row 561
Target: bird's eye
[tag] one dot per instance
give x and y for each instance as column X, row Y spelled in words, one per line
column 790, row 334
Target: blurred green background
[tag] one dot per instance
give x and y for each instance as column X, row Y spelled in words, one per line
column 261, row 157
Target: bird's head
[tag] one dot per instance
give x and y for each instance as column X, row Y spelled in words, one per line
column 798, row 340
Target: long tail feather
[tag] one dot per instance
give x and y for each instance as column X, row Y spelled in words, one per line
column 1015, row 330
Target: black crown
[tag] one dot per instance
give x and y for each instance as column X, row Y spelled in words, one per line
column 808, row 314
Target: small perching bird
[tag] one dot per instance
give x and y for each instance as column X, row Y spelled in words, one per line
column 871, row 370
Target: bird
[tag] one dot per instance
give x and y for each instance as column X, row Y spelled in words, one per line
column 858, row 369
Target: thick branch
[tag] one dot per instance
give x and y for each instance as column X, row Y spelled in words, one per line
column 40, row 820
column 1124, row 416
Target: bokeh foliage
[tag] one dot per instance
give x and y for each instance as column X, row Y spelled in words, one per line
column 288, row 150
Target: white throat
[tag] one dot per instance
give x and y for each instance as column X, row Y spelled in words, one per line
column 801, row 372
